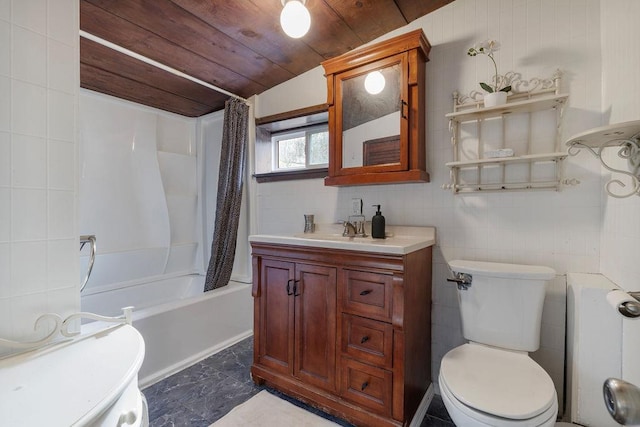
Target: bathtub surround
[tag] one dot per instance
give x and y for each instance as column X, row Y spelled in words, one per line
column 229, row 195
column 138, row 192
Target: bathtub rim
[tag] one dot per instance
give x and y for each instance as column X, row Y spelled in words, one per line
column 154, row 310
column 151, row 310
column 135, row 282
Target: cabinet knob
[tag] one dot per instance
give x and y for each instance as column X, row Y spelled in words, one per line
column 364, row 385
column 364, row 339
column 289, row 287
column 366, row 292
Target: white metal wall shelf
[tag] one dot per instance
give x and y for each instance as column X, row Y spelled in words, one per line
column 527, row 97
column 524, row 106
column 624, row 136
column 527, row 158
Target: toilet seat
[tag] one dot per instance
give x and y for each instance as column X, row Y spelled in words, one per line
column 464, row 416
column 498, row 384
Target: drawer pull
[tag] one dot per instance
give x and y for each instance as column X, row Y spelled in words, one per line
column 296, row 289
column 364, row 339
column 366, row 292
column 364, row 385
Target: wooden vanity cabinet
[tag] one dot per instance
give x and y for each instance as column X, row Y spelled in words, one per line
column 347, row 332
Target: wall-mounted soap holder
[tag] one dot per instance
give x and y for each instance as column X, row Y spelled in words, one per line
column 625, row 136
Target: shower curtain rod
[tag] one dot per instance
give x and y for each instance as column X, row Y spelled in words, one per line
column 157, row 64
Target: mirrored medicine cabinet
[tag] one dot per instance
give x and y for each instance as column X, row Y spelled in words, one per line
column 376, row 103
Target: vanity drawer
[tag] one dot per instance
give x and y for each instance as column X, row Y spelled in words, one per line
column 367, row 294
column 367, row 386
column 367, row 340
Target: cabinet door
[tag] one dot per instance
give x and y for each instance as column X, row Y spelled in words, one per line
column 315, row 301
column 275, row 335
column 366, row 121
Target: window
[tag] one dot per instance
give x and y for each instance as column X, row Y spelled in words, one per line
column 304, row 149
column 292, row 145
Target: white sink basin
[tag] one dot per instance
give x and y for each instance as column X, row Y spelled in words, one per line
column 400, row 240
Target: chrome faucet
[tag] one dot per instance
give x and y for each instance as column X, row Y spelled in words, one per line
column 354, row 227
column 349, row 229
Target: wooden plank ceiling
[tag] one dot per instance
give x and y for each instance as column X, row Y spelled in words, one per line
column 236, row 45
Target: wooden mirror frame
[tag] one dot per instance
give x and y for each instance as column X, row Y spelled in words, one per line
column 411, row 51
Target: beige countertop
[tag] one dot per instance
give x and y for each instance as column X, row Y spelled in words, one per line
column 400, row 239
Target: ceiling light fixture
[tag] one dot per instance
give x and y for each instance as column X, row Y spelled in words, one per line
column 294, row 18
column 374, row 82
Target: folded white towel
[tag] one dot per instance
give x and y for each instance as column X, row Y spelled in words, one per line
column 501, row 152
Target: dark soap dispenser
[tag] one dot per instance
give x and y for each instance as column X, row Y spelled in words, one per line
column 377, row 225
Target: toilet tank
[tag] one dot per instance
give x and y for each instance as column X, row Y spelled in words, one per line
column 503, row 305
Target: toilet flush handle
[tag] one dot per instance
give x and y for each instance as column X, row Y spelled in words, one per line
column 463, row 280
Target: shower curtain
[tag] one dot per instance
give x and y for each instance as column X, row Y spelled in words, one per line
column 229, row 198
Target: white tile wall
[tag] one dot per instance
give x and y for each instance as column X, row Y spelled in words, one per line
column 31, row 15
column 38, row 172
column 29, row 62
column 5, row 215
column 561, row 230
column 29, row 160
column 5, row 48
column 5, row 104
column 28, row 109
column 61, row 24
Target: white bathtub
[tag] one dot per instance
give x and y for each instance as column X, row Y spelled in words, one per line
column 179, row 322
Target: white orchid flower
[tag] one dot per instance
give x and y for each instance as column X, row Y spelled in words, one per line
column 488, row 47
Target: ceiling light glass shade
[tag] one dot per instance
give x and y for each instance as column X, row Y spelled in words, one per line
column 374, row 82
column 295, row 18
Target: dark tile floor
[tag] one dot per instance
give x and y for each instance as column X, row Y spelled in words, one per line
column 203, row 393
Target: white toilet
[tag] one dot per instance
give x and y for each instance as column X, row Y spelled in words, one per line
column 491, row 381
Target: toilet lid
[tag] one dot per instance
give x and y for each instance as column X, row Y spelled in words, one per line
column 499, row 382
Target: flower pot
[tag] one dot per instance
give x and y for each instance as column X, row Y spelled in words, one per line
column 495, row 98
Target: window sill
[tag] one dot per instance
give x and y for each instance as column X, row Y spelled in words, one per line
column 291, row 175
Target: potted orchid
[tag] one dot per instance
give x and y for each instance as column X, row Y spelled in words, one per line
column 496, row 95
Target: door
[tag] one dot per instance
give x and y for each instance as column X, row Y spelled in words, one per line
column 275, row 335
column 315, row 325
